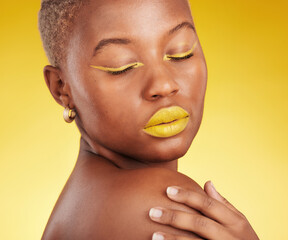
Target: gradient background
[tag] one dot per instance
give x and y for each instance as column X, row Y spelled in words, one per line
column 241, row 146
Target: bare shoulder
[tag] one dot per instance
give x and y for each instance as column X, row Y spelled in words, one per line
column 115, row 204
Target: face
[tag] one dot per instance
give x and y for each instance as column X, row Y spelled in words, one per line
column 127, row 60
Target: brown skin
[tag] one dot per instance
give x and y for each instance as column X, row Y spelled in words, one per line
column 121, row 171
column 112, row 110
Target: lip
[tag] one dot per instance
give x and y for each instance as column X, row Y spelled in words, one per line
column 167, row 122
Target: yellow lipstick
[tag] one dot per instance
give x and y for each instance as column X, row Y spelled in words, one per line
column 167, row 122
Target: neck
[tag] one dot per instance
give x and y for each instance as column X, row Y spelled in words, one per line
column 120, row 161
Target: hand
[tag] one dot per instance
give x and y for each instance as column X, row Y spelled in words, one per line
column 220, row 220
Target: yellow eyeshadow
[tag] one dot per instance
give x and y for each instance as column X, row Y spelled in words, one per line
column 180, row 55
column 109, row 69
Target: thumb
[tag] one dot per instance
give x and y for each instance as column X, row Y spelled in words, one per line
column 212, row 192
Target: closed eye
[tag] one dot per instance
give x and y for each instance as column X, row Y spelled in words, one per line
column 120, row 70
column 180, row 56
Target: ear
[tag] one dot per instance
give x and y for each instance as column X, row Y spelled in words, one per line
column 59, row 88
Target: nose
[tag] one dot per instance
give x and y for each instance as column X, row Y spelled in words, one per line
column 160, row 83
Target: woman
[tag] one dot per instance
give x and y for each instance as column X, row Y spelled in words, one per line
column 133, row 76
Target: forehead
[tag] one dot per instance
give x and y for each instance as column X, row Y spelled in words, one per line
column 103, row 18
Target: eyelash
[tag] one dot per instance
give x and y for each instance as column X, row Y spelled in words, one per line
column 181, row 58
column 131, row 67
column 175, row 58
column 120, row 72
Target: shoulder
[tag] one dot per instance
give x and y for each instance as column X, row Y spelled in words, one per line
column 115, row 204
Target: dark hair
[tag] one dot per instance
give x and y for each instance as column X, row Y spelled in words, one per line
column 56, row 19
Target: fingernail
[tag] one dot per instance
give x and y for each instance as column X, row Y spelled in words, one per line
column 155, row 213
column 158, row 236
column 172, row 191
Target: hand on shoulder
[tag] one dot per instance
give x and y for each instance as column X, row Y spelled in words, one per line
column 131, row 196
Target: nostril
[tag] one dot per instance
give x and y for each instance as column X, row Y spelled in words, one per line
column 160, row 89
column 173, row 92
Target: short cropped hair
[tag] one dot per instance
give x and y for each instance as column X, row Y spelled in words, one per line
column 56, row 22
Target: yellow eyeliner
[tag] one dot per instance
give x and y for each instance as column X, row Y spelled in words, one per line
column 109, row 69
column 180, row 55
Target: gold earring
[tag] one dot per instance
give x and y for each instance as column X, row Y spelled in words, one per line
column 69, row 115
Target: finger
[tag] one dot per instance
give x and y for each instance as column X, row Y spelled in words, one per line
column 201, row 225
column 205, row 204
column 165, row 236
column 212, row 192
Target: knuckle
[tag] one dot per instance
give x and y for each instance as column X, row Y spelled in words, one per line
column 173, row 218
column 185, row 193
column 200, row 222
column 239, row 221
column 187, row 196
column 241, row 216
column 208, row 203
column 220, row 231
column 242, row 223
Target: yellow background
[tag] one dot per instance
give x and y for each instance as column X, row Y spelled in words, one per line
column 241, row 146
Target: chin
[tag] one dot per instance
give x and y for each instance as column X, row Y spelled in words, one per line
column 167, row 150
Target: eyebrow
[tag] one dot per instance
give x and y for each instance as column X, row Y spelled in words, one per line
column 108, row 41
column 125, row 41
column 180, row 26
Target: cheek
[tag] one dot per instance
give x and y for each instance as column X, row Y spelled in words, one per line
column 107, row 105
column 195, row 80
column 200, row 76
